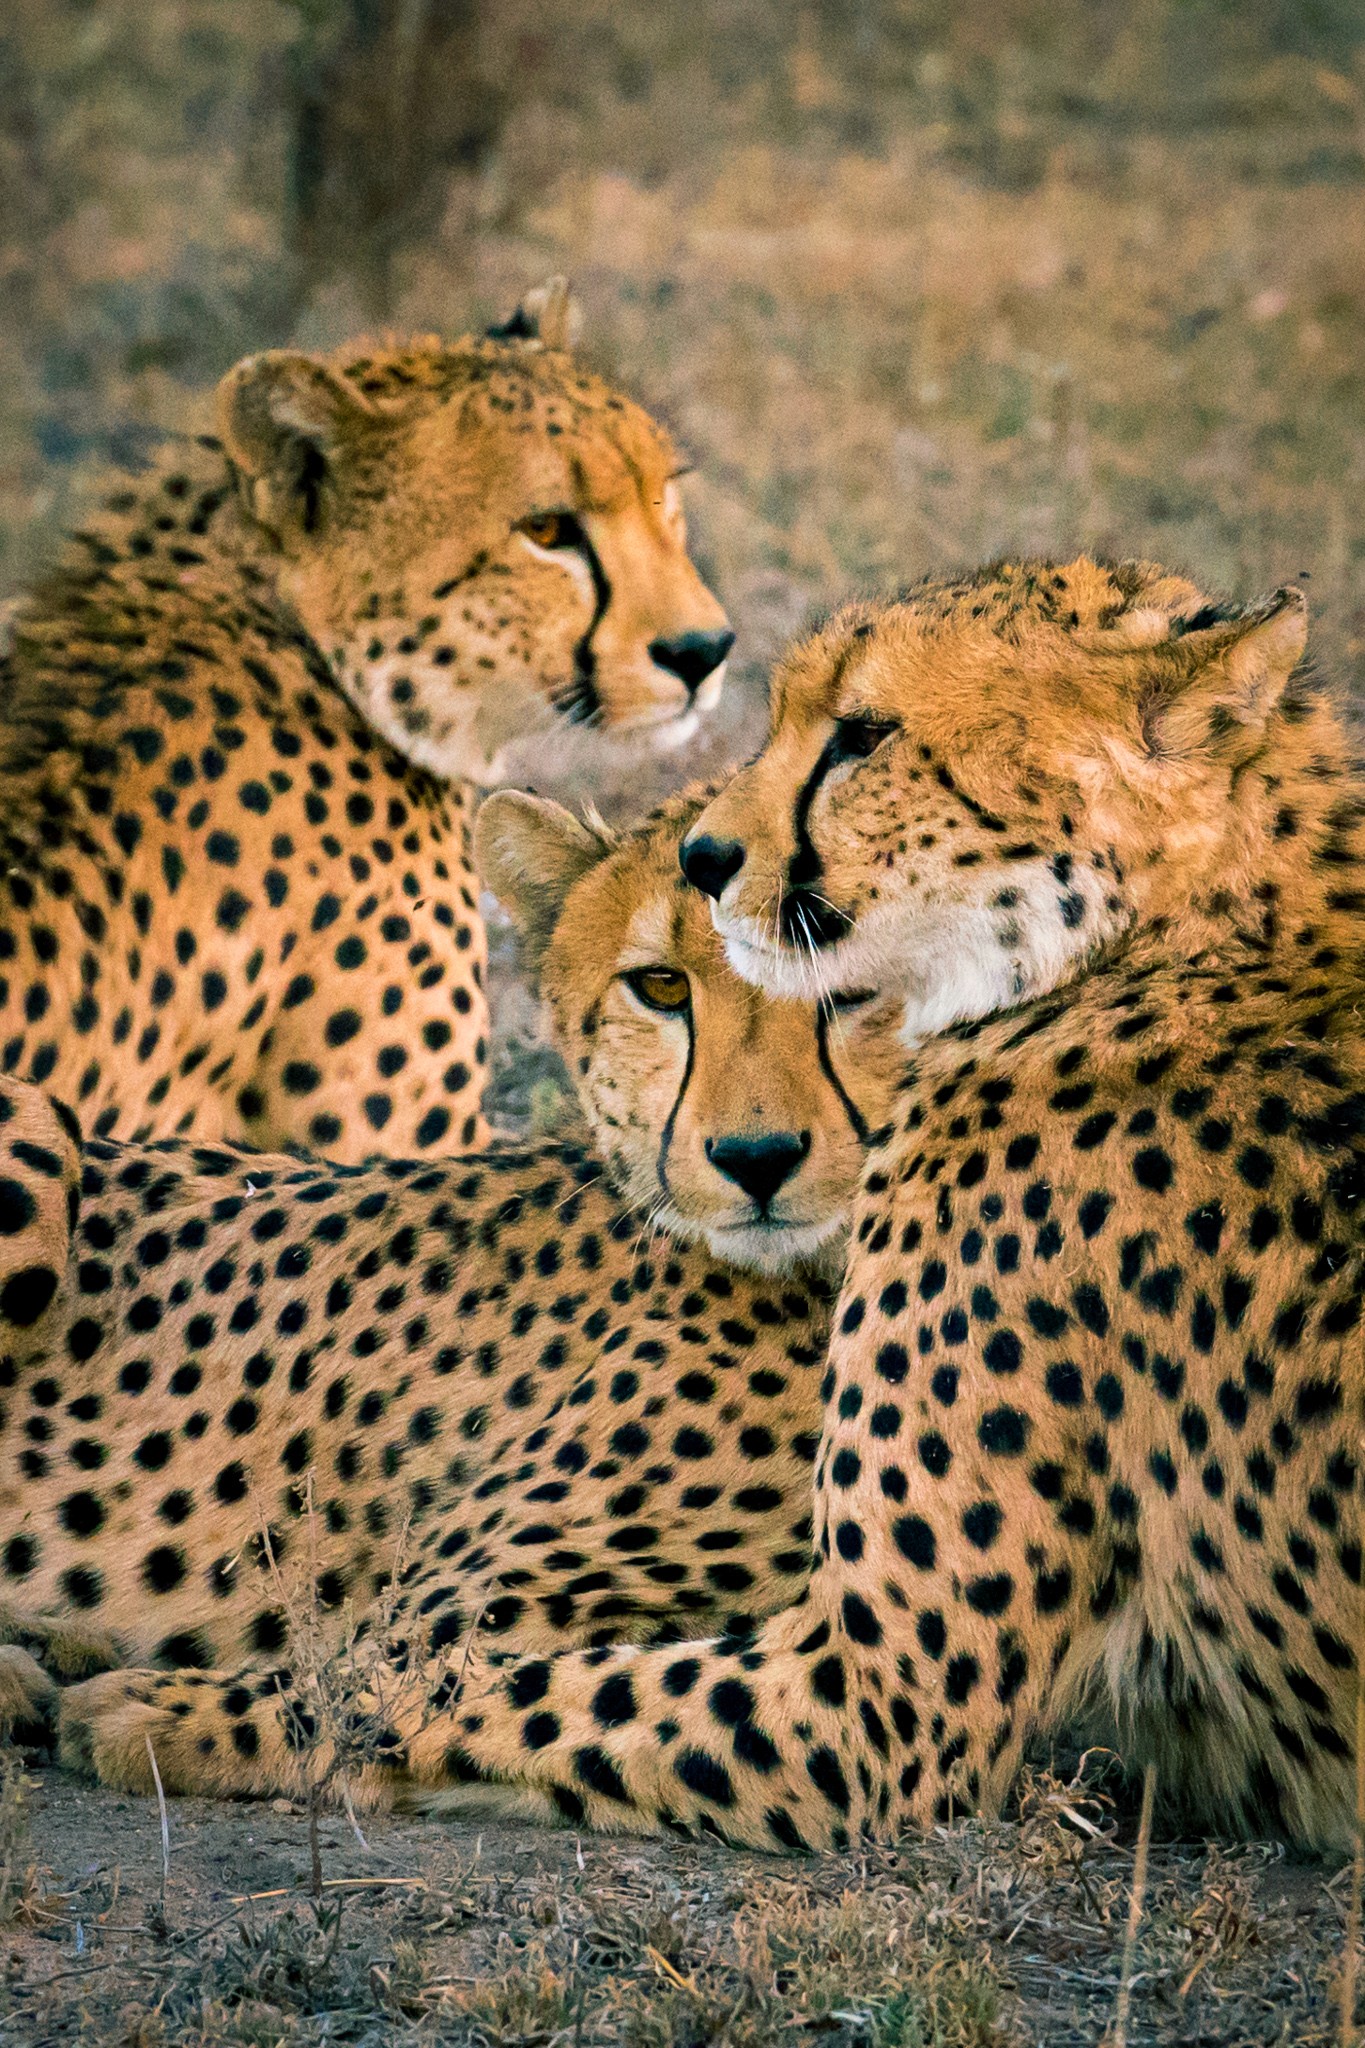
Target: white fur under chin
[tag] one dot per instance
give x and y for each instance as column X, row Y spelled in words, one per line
column 946, row 961
column 475, row 740
column 707, row 694
column 511, row 732
column 778, row 1248
column 667, row 738
column 767, row 1248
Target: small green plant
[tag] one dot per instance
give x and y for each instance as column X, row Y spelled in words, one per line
column 524, row 1999
column 21, row 1886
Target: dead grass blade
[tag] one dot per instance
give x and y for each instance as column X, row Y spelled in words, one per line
column 1118, row 2036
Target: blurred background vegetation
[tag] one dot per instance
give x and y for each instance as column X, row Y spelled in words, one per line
column 916, row 281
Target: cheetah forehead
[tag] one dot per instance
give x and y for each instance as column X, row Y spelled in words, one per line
column 1135, row 600
column 653, row 926
column 508, row 385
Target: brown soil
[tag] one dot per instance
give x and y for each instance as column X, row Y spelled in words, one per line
column 977, row 1938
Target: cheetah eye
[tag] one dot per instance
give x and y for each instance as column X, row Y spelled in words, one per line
column 660, row 988
column 854, row 739
column 552, row 530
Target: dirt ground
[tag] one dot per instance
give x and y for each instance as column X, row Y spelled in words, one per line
column 917, row 282
column 977, row 1938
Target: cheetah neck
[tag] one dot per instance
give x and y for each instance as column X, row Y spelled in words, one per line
column 1289, row 871
column 166, row 583
column 1276, row 876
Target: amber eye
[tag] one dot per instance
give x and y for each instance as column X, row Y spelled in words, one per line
column 855, row 738
column 659, row 988
column 552, row 530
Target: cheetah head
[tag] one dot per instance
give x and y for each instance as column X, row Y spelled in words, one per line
column 485, row 539
column 967, row 794
column 724, row 1114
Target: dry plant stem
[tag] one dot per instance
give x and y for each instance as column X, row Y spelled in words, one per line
column 305, row 1631
column 470, row 1634
column 331, row 1884
column 314, row 1844
column 350, row 1812
column 1118, row 2038
column 165, row 1825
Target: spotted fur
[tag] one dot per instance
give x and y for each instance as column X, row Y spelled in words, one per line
column 238, row 729
column 494, row 1376
column 1091, row 1438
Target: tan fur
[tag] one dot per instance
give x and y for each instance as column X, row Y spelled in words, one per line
column 28, row 1698
column 1092, row 1433
column 590, row 1423
column 238, row 727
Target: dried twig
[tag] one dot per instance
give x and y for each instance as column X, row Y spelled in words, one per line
column 165, row 1827
column 1118, row 2038
column 329, row 1884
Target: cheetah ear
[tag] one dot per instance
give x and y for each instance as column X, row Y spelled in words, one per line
column 285, row 418
column 550, row 315
column 1235, row 673
column 530, row 853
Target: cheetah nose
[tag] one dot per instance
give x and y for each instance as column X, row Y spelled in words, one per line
column 759, row 1165
column 692, row 656
column 709, row 863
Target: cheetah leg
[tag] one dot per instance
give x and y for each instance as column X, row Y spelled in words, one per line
column 66, row 1649
column 961, row 1556
column 255, row 1732
column 40, row 1173
column 896, row 1693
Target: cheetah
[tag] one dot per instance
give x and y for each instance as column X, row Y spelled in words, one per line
column 1091, row 1437
column 240, row 727
column 564, row 1391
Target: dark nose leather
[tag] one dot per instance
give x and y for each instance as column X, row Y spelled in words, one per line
column 709, row 863
column 691, row 657
column 759, row 1165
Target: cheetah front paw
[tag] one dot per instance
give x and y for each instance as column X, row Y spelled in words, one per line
column 28, row 1701
column 111, row 1726
column 203, row 1734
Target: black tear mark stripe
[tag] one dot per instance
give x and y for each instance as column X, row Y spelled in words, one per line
column 666, row 1139
column 805, row 865
column 823, row 1018
column 804, row 916
column 472, row 568
column 581, row 701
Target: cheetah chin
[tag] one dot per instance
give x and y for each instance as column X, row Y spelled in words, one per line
column 781, row 1247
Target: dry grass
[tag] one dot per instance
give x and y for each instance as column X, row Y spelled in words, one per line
column 21, row 1889
column 977, row 1937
